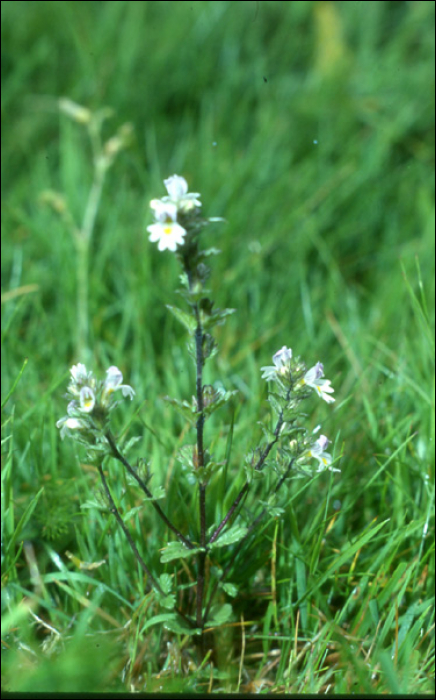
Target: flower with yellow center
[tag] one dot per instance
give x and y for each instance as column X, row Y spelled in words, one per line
column 113, row 383
column 166, row 232
column 317, row 450
column 314, row 378
column 178, row 194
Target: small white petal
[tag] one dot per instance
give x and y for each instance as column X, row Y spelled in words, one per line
column 114, row 377
column 176, row 186
column 268, row 373
column 164, row 211
column 67, row 423
column 127, row 391
column 112, row 383
column 282, row 357
column 281, row 361
column 177, row 189
column 78, row 373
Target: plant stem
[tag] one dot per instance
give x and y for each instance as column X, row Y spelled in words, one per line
column 246, row 486
column 241, row 541
column 117, row 454
column 115, row 512
column 200, row 462
column 199, row 361
column 230, row 512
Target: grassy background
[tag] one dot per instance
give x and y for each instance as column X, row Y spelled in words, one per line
column 309, row 127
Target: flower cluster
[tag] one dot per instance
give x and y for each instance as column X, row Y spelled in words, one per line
column 166, row 231
column 291, row 376
column 283, row 368
column 89, row 397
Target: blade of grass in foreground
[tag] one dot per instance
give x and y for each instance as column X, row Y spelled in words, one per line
column 346, row 554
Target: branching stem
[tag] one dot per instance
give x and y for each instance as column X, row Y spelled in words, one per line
column 240, row 543
column 117, row 454
column 258, row 466
column 115, row 512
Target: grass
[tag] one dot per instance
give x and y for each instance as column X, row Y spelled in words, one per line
column 309, row 127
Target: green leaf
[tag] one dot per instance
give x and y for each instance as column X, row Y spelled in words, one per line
column 230, row 589
column 221, row 314
column 178, row 628
column 158, row 620
column 185, row 408
column 216, row 318
column 166, row 583
column 185, row 319
column 131, row 513
column 289, row 418
column 301, row 577
column 92, row 503
column 177, row 550
column 210, row 347
column 272, row 510
column 14, row 385
column 249, row 467
column 233, row 534
column 196, row 294
column 276, row 402
column 219, row 614
column 129, row 444
column 203, row 474
column 216, row 399
column 24, row 520
column 156, row 494
column 346, row 553
column 268, row 433
column 186, row 456
column 168, row 601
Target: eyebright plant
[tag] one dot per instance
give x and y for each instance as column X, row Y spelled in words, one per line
column 286, row 449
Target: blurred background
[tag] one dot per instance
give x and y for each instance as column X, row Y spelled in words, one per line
column 308, row 126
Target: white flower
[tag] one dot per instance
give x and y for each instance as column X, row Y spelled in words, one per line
column 165, row 231
column 87, row 399
column 90, row 398
column 176, row 186
column 163, row 211
column 70, row 422
column 177, row 189
column 318, row 451
column 112, row 383
column 79, row 374
column 67, row 423
column 281, row 361
column 82, row 387
column 313, row 378
column 80, row 378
